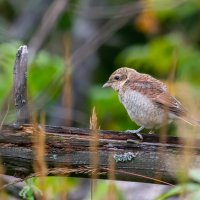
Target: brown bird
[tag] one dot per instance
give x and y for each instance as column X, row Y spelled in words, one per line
column 146, row 99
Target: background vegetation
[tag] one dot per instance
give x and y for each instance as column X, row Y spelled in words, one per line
column 75, row 45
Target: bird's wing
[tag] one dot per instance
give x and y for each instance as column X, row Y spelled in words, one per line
column 157, row 92
column 146, row 85
column 168, row 102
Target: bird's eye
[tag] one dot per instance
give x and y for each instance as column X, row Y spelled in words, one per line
column 116, row 78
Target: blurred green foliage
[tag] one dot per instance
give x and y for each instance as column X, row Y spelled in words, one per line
column 7, row 59
column 157, row 57
column 54, row 185
column 44, row 70
column 105, row 190
column 110, row 110
column 29, row 190
column 189, row 190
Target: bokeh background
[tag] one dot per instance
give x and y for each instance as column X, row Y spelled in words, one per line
column 74, row 45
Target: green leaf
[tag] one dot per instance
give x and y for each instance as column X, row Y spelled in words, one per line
column 180, row 189
column 45, row 69
column 7, row 60
column 194, row 174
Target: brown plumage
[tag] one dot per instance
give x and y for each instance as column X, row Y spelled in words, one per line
column 146, row 99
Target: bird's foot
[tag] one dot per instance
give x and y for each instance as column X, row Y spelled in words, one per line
column 136, row 132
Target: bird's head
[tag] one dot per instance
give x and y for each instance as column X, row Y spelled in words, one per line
column 119, row 77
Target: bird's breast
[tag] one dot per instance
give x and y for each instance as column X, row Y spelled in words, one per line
column 141, row 109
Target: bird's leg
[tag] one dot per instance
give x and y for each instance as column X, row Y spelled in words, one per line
column 136, row 132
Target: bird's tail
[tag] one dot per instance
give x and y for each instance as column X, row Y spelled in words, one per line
column 190, row 120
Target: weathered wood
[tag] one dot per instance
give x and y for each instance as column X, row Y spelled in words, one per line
column 20, row 85
column 69, row 151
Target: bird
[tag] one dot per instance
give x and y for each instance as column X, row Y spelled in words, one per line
column 146, row 100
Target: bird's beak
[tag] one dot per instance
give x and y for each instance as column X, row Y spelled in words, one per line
column 107, row 84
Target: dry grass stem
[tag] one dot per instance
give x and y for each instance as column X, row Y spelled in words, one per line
column 188, row 133
column 3, row 194
column 111, row 177
column 94, row 159
column 40, row 152
column 67, row 89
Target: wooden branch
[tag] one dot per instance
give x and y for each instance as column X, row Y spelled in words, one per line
column 69, row 152
column 20, row 85
column 47, row 23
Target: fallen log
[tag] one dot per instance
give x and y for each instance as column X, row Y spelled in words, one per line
column 69, row 152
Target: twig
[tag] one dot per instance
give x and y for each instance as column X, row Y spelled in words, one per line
column 103, row 12
column 103, row 34
column 4, row 117
column 20, row 85
column 48, row 21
